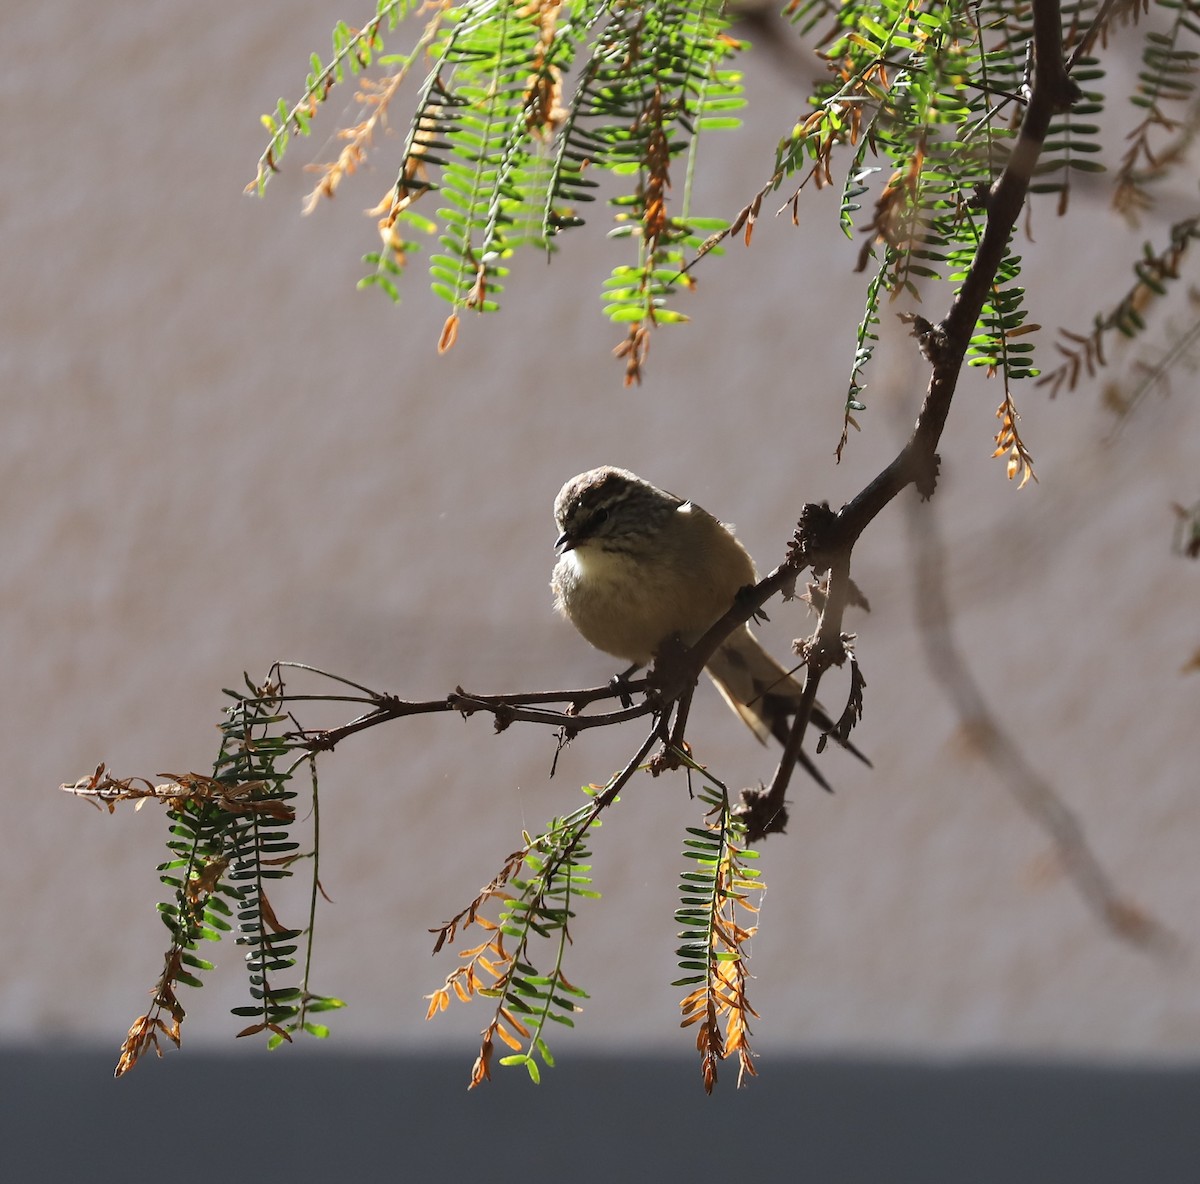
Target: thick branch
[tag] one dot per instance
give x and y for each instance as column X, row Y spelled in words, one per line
column 945, row 345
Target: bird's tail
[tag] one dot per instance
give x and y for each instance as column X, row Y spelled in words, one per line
column 764, row 695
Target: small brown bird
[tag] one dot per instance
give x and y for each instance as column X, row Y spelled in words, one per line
column 638, row 565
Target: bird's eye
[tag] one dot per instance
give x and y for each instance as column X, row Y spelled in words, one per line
column 599, row 518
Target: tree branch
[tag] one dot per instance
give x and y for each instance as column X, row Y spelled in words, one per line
column 506, row 709
column 828, row 540
column 824, row 540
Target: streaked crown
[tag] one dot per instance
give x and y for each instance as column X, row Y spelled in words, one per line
column 607, row 505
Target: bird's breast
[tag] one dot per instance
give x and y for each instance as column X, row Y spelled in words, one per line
column 629, row 605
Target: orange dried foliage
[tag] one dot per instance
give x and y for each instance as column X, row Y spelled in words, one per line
column 412, row 184
column 376, row 95
column 143, row 1035
column 202, row 884
column 179, row 791
column 449, row 334
column 466, row 982
column 1008, row 440
column 263, row 1026
column 489, row 958
column 544, row 111
column 634, row 349
column 145, row 1030
column 271, row 921
column 721, row 1000
column 470, row 915
column 898, row 219
column 657, row 162
column 481, row 1071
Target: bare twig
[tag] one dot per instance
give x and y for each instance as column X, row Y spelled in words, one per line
column 1108, row 12
column 506, row 709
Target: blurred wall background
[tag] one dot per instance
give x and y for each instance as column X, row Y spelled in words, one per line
column 217, row 453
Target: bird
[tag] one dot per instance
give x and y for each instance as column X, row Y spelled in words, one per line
column 638, row 565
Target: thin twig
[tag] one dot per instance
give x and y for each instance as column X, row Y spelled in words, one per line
column 1097, row 28
column 506, row 713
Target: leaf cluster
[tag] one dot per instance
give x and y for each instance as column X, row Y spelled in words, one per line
column 525, row 109
column 713, row 894
column 230, row 838
column 536, row 889
column 521, row 108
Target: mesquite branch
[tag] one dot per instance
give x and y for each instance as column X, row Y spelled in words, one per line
column 945, row 345
column 824, row 540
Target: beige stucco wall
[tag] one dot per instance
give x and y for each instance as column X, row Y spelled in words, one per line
column 216, row 453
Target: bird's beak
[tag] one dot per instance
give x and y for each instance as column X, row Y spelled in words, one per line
column 563, row 544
